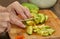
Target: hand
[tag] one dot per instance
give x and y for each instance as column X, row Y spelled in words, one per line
column 16, row 8
column 4, row 19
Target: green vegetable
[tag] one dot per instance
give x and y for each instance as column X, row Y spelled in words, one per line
column 46, row 17
column 34, row 15
column 34, row 11
column 35, row 31
column 37, row 20
column 35, row 27
column 51, row 31
column 44, row 27
column 33, row 8
column 30, row 23
column 29, row 30
column 42, row 18
column 44, row 33
column 45, row 30
column 38, row 31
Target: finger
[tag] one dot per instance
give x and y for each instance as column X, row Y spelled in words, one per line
column 8, row 28
column 26, row 11
column 15, row 20
column 2, row 9
column 11, row 9
column 4, row 16
column 3, row 26
column 18, row 9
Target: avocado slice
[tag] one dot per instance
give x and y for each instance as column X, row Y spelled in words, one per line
column 30, row 23
column 46, row 17
column 29, row 30
column 42, row 18
column 37, row 20
column 50, row 31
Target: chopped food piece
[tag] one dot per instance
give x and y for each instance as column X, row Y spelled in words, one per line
column 38, row 31
column 35, row 27
column 37, row 20
column 30, row 23
column 44, row 27
column 51, row 31
column 42, row 18
column 34, row 14
column 19, row 37
column 46, row 17
column 45, row 30
column 44, row 33
column 34, row 30
column 29, row 30
column 34, row 11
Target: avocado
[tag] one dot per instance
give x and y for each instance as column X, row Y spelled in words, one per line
column 32, row 7
column 29, row 30
column 42, row 18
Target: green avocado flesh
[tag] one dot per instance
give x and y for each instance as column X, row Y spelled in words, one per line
column 33, row 24
column 43, row 30
column 33, row 8
column 38, row 18
column 29, row 30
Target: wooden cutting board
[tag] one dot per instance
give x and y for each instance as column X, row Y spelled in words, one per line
column 53, row 21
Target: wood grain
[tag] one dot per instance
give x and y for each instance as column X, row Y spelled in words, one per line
column 53, row 22
column 57, row 8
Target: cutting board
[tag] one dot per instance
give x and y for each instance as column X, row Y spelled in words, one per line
column 53, row 22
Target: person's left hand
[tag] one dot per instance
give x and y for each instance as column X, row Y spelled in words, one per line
column 4, row 20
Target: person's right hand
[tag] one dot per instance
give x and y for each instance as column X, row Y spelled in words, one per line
column 16, row 8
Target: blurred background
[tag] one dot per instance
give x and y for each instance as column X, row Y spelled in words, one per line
column 7, row 2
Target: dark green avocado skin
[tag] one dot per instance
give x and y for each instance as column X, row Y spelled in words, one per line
column 4, row 35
